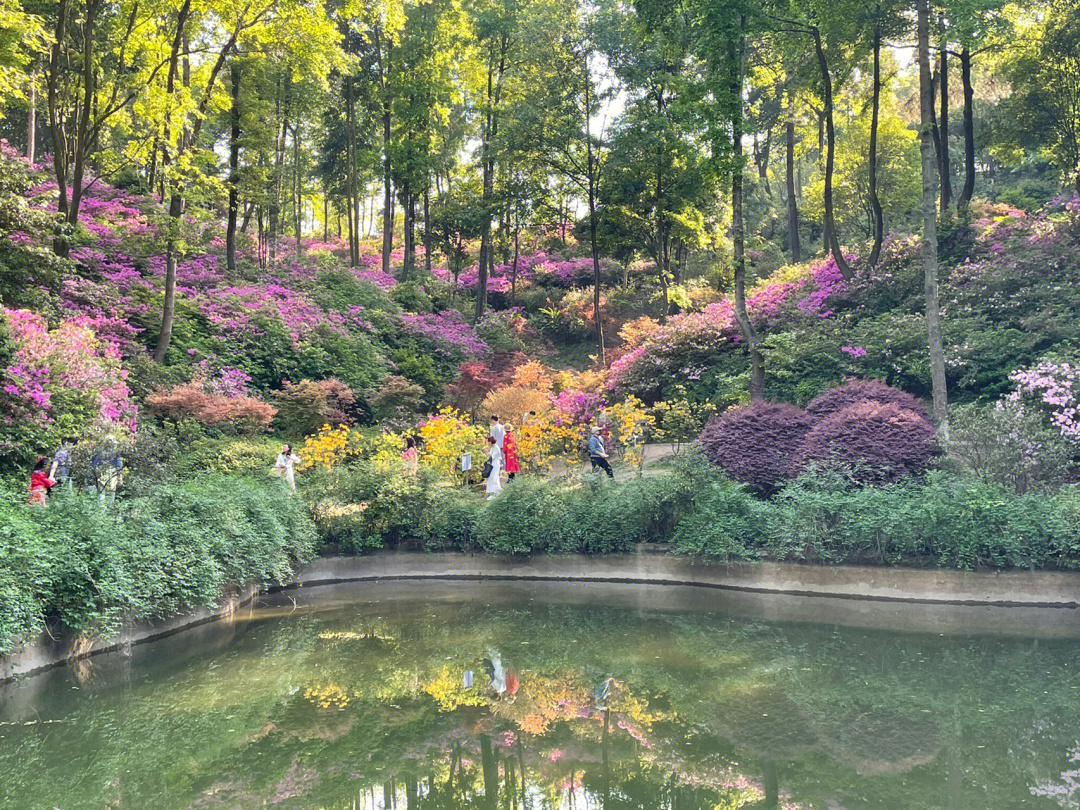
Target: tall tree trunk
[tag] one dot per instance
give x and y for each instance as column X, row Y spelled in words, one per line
column 427, row 228
column 491, row 773
column 31, row 117
column 946, row 168
column 875, row 204
column 407, row 230
column 831, row 238
column 969, row 129
column 486, row 250
column 350, row 158
column 234, row 168
column 746, row 327
column 792, row 201
column 176, row 205
column 326, row 214
column 298, row 187
column 929, row 245
column 590, row 167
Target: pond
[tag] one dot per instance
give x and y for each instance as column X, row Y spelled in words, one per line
column 582, row 696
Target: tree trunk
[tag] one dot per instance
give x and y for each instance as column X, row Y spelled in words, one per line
column 427, row 228
column 234, row 168
column 875, row 204
column 929, row 245
column 31, row 117
column 831, row 239
column 793, row 203
column 969, row 129
column 407, row 230
column 746, row 327
column 388, row 203
column 298, row 187
column 491, row 773
column 590, row 166
column 946, row 169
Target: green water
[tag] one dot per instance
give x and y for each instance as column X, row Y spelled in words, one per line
column 627, row 697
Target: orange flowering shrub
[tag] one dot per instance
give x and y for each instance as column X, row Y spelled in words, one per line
column 191, row 400
column 512, row 402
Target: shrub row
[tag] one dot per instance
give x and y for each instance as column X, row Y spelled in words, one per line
column 88, row 566
column 939, row 519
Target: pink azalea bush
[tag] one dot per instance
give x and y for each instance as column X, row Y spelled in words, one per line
column 1054, row 389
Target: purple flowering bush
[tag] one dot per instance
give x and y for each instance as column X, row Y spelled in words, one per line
column 755, row 443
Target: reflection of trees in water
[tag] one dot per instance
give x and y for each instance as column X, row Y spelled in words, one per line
column 325, row 708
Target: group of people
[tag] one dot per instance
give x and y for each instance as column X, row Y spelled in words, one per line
column 103, row 475
column 502, row 454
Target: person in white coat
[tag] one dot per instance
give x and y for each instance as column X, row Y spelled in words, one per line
column 285, row 467
column 493, row 481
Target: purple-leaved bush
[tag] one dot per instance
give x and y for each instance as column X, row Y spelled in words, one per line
column 755, row 443
column 852, row 391
column 876, row 442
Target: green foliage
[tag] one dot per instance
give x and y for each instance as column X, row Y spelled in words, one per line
column 91, row 564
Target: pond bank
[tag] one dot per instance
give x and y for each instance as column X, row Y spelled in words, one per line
column 787, row 588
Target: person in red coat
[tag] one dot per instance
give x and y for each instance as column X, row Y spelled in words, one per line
column 511, row 452
column 40, row 484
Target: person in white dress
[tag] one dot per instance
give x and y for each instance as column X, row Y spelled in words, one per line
column 498, row 431
column 493, row 482
column 285, row 466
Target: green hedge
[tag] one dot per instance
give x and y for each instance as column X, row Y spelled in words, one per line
column 89, row 565
column 941, row 519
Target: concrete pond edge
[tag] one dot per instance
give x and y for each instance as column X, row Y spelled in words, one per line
column 648, row 564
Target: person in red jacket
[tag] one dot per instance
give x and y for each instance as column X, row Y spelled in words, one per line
column 40, row 484
column 510, row 450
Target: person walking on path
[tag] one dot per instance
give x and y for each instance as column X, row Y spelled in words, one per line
column 410, row 456
column 498, row 432
column 493, row 469
column 61, row 466
column 510, row 453
column 285, row 467
column 598, row 454
column 40, row 484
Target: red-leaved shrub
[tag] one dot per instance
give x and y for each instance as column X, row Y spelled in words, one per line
column 877, row 442
column 852, row 391
column 306, row 406
column 191, row 400
column 755, row 443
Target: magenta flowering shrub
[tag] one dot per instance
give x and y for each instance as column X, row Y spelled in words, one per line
column 576, row 407
column 448, row 330
column 851, row 392
column 688, row 342
column 755, row 443
column 1054, row 389
column 68, row 365
column 875, row 442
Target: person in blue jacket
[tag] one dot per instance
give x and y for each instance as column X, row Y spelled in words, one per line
column 598, row 454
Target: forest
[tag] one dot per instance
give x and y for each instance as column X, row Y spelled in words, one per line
column 824, row 255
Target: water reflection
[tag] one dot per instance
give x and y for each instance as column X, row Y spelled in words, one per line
column 501, row 697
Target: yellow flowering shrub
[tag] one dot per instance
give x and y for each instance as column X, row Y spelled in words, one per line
column 631, row 424
column 328, row 447
column 448, row 690
column 446, row 436
column 679, row 420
